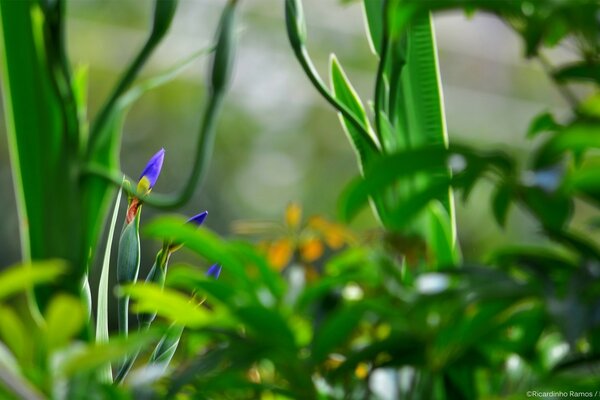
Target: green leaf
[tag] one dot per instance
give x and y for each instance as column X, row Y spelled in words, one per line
column 14, row 334
column 91, row 357
column 105, row 372
column 373, row 21
column 185, row 277
column 43, row 137
column 440, row 235
column 64, row 319
column 345, row 94
column 386, row 171
column 174, row 306
column 552, row 210
column 199, row 240
column 501, row 203
column 269, row 326
column 581, row 71
column 335, row 331
column 22, row 277
column 542, row 123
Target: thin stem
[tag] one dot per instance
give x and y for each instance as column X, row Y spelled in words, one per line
column 201, row 161
column 98, row 133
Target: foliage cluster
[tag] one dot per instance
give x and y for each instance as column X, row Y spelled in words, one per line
column 313, row 310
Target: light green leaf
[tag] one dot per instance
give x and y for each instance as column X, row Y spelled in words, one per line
column 200, row 240
column 14, row 334
column 22, row 277
column 373, row 21
column 345, row 94
column 102, row 307
column 335, row 331
column 91, row 357
column 440, row 237
column 64, row 319
column 172, row 305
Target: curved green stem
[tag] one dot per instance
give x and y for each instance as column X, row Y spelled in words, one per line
column 97, row 133
column 201, row 161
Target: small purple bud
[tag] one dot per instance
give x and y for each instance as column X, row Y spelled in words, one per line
column 198, row 219
column 214, row 271
column 152, row 169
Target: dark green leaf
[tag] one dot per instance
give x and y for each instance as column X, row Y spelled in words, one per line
column 335, row 331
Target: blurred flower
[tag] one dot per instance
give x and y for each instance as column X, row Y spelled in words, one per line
column 214, row 271
column 197, row 220
column 296, row 241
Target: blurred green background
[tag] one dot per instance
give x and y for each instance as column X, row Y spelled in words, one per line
column 278, row 141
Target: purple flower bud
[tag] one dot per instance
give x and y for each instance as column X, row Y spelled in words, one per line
column 152, row 169
column 198, row 219
column 214, row 271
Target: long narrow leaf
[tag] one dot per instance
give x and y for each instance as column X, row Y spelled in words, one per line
column 102, row 312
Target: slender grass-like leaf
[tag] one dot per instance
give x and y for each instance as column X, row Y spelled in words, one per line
column 103, row 292
column 43, row 137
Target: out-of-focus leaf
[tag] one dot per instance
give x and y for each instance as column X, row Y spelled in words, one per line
column 22, row 277
column 271, row 279
column 581, row 71
column 384, row 172
column 91, row 357
column 268, row 326
column 14, row 334
column 64, row 319
column 578, row 138
column 542, row 123
column 396, row 350
column 200, row 240
column 176, row 307
column 591, row 105
column 440, row 235
column 501, row 201
column 196, row 281
column 335, row 331
column 552, row 210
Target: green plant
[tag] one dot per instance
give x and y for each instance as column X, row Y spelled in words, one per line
column 391, row 314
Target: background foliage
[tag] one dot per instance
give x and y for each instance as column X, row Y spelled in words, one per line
column 309, row 308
